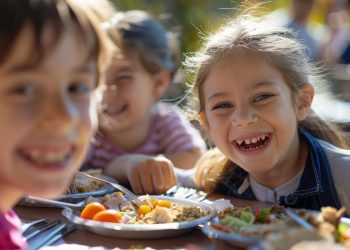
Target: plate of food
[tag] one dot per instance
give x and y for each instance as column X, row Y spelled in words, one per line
column 84, row 186
column 330, row 231
column 159, row 217
column 244, row 226
column 271, row 228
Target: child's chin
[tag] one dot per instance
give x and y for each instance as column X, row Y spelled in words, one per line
column 51, row 192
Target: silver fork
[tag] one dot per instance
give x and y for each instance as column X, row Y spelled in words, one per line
column 126, row 191
column 72, row 189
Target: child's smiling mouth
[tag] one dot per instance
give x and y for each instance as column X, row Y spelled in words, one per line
column 48, row 159
column 116, row 111
column 253, row 143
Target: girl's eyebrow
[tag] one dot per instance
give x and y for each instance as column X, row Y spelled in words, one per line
column 27, row 67
column 85, row 68
column 263, row 84
column 124, row 69
column 24, row 67
column 255, row 86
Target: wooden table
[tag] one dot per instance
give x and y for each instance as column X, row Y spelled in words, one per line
column 82, row 237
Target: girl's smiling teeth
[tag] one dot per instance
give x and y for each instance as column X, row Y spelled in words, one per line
column 45, row 157
column 252, row 143
column 117, row 110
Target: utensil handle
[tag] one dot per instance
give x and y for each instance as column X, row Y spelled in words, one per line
column 42, row 242
column 54, row 203
column 45, row 227
column 69, row 228
column 299, row 219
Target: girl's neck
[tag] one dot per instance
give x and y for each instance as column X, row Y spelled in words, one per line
column 132, row 137
column 287, row 169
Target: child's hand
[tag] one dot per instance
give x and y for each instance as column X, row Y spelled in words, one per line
column 151, row 175
column 146, row 174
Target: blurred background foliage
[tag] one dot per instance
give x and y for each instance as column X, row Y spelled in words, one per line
column 190, row 20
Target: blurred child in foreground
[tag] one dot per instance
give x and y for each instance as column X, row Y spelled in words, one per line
column 50, row 54
column 255, row 90
column 140, row 139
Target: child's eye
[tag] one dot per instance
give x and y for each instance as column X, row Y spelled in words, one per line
column 122, row 78
column 224, row 105
column 25, row 90
column 262, row 97
column 80, row 88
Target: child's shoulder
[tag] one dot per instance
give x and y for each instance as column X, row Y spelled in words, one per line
column 337, row 157
column 167, row 109
column 332, row 150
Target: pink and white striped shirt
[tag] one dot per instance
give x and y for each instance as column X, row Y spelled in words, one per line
column 170, row 132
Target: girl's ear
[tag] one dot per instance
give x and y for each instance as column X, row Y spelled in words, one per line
column 304, row 101
column 162, row 82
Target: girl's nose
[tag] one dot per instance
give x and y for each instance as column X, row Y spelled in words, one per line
column 59, row 113
column 244, row 117
column 110, row 90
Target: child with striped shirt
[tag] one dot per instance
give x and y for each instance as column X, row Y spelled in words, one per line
column 141, row 139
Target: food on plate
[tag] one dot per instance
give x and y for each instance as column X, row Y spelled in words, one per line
column 318, row 245
column 85, row 184
column 115, row 201
column 278, row 231
column 154, row 211
column 251, row 221
column 91, row 209
column 108, row 215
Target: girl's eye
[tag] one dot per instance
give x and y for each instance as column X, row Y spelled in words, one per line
column 80, row 88
column 224, row 105
column 25, row 90
column 262, row 97
column 120, row 79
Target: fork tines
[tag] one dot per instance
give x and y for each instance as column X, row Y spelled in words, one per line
column 72, row 189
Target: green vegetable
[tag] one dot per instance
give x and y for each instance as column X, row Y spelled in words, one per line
column 248, row 217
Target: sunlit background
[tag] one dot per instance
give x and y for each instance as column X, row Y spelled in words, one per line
column 328, row 23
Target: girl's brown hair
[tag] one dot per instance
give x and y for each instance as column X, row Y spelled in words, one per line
column 137, row 31
column 250, row 34
column 60, row 15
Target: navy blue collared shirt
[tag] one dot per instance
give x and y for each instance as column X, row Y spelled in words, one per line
column 316, row 188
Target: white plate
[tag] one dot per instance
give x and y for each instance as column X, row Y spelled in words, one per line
column 143, row 231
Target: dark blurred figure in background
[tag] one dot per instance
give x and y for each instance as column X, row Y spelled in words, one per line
column 301, row 10
column 336, row 46
column 176, row 91
column 345, row 55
